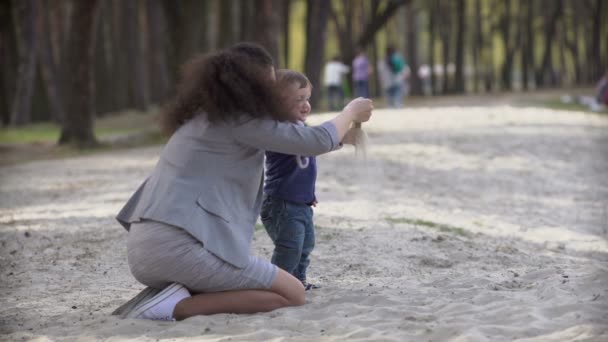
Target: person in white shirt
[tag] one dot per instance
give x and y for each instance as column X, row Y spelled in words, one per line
column 332, row 80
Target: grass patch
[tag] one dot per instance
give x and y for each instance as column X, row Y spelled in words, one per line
column 122, row 123
column 446, row 228
column 114, row 131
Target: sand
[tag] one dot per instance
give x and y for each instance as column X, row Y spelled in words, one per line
column 463, row 224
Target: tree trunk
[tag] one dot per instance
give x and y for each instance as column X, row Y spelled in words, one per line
column 412, row 47
column 459, row 79
column 266, row 31
column 187, row 21
column 596, row 60
column 550, row 29
column 157, row 48
column 136, row 59
column 77, row 128
column 247, row 20
column 25, row 18
column 120, row 65
column 226, row 24
column 477, row 45
column 527, row 48
column 285, row 21
column 445, row 30
column 505, row 29
column 49, row 66
column 432, row 30
column 317, row 12
column 8, row 55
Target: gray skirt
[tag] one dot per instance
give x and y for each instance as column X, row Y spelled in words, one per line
column 160, row 254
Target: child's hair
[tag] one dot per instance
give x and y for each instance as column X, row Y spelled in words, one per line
column 286, row 77
column 224, row 85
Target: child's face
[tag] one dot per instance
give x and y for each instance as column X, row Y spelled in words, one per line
column 300, row 105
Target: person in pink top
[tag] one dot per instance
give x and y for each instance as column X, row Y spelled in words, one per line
column 361, row 72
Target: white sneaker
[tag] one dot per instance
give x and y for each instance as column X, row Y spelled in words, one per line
column 142, row 296
column 161, row 306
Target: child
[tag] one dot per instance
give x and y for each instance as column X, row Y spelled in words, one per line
column 289, row 190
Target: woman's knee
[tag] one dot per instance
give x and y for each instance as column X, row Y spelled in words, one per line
column 290, row 288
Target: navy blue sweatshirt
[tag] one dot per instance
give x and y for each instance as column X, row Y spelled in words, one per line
column 290, row 180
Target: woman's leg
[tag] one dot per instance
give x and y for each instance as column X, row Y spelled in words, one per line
column 285, row 291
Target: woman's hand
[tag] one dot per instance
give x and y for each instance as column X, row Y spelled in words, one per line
column 360, row 109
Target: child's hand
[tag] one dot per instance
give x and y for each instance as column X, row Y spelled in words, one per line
column 314, row 203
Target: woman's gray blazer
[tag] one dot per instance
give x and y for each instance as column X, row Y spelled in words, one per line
column 209, row 179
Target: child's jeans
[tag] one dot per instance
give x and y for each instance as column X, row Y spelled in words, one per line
column 290, row 227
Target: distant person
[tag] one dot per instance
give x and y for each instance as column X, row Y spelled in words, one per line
column 333, row 77
column 393, row 76
column 361, row 72
column 289, row 189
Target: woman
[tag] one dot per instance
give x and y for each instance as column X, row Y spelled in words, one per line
column 191, row 222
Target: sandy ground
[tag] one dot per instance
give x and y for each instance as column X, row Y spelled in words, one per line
column 464, row 224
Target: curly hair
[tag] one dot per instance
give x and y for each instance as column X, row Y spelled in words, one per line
column 225, row 85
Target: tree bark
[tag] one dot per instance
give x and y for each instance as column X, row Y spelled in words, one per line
column 445, row 29
column 49, row 66
column 226, row 24
column 247, row 21
column 137, row 60
column 8, row 54
column 459, row 80
column 25, row 17
column 120, row 65
column 432, row 30
column 596, row 60
column 550, row 29
column 412, row 48
column 266, row 28
column 285, row 22
column 77, row 128
column 527, row 58
column 157, row 47
column 507, row 37
column 317, row 12
column 477, row 45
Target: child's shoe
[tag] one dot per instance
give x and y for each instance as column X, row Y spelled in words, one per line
column 309, row 286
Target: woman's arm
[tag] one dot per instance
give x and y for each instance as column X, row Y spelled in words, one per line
column 290, row 138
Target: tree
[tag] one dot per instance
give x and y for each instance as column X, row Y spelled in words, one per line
column 445, row 33
column 459, row 80
column 412, row 48
column 266, row 31
column 433, row 6
column 25, row 16
column 546, row 68
column 377, row 20
column 49, row 65
column 77, row 127
column 8, row 54
column 317, row 14
column 226, row 18
column 157, row 47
